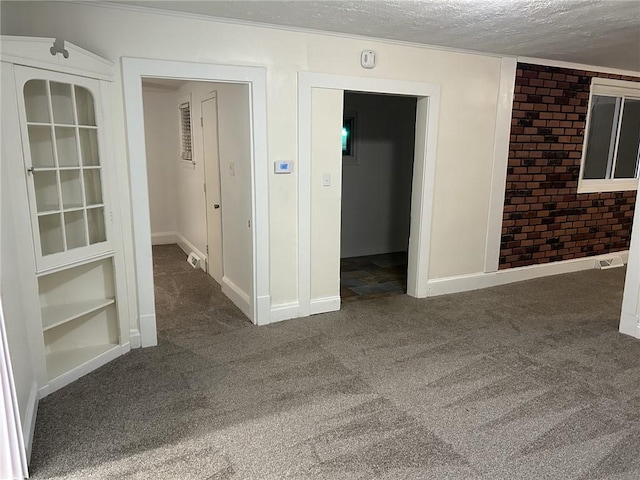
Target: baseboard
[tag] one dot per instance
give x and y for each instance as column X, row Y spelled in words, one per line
column 630, row 324
column 284, row 311
column 263, row 310
column 148, row 332
column 475, row 281
column 164, row 238
column 325, row 305
column 82, row 370
column 29, row 424
column 237, row 296
column 188, row 247
column 134, row 338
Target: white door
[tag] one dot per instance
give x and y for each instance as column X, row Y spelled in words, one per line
column 212, row 180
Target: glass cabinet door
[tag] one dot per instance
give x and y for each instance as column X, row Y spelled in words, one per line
column 64, row 165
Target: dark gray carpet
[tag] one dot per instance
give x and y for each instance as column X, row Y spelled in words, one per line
column 526, row 381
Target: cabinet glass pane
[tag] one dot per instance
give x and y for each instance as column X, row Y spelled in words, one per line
column 41, row 147
column 84, row 107
column 67, row 147
column 92, row 186
column 95, row 218
column 46, row 187
column 75, row 229
column 62, row 103
column 35, row 101
column 50, row 234
column 89, row 147
column 71, row 188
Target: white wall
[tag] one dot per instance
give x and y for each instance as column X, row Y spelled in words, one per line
column 326, row 120
column 469, row 89
column 376, row 191
column 162, row 147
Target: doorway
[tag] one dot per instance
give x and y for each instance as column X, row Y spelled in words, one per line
column 378, row 145
column 193, row 206
column 319, row 179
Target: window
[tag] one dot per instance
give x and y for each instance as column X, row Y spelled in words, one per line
column 348, row 140
column 611, row 149
column 185, row 131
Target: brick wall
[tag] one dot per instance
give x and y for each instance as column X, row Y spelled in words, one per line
column 545, row 219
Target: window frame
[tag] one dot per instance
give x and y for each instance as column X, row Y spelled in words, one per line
column 352, row 159
column 610, row 88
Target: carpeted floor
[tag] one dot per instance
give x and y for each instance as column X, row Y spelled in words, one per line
column 526, row 381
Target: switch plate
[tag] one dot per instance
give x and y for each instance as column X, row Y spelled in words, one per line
column 283, row 167
column 326, row 179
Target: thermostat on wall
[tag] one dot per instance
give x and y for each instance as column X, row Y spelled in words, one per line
column 368, row 59
column 283, row 167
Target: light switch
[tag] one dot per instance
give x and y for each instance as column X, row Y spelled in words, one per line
column 326, row 179
column 283, row 167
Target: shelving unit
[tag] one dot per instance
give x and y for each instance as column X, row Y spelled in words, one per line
column 79, row 317
column 77, row 265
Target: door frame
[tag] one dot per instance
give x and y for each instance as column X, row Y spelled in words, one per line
column 133, row 70
column 427, row 112
column 210, row 96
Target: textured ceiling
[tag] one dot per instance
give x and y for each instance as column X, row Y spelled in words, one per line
column 596, row 32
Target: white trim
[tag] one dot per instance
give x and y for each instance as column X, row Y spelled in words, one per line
column 134, row 338
column 148, row 325
column 133, row 70
column 576, row 66
column 476, row 281
column 84, row 369
column 423, row 174
column 164, row 238
column 325, row 305
column 29, row 427
column 237, row 296
column 264, row 310
column 630, row 316
column 35, row 52
column 284, row 311
column 500, row 163
column 188, row 247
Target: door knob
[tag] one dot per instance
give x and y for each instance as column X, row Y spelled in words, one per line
column 215, row 205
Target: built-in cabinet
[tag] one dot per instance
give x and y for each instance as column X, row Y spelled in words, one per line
column 65, row 164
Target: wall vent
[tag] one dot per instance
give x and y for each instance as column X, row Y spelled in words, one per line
column 193, row 260
column 611, row 262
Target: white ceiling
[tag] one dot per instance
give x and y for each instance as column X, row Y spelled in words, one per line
column 594, row 32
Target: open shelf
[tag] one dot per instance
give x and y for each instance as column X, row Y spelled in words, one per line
column 55, row 315
column 64, row 361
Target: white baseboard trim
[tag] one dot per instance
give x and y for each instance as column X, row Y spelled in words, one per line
column 237, row 296
column 263, row 310
column 148, row 332
column 134, row 338
column 188, row 247
column 475, row 281
column 630, row 324
column 82, row 370
column 325, row 305
column 29, row 424
column 164, row 238
column 284, row 311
